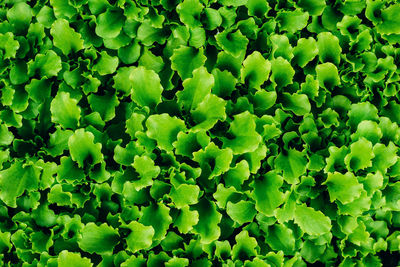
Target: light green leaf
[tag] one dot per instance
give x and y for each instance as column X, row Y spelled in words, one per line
column 213, row 160
column 244, row 135
column 360, row 156
column 140, row 237
column 195, row 88
column 297, row 103
column 106, row 64
column 67, row 259
column 282, row 72
column 241, row 212
column 343, row 187
column 255, row 70
column 146, row 87
column 98, row 239
column 184, row 195
column 65, row 38
column 189, row 12
column 267, row 193
column 327, row 75
column 292, row 163
column 83, row 150
column 311, row 221
column 17, row 179
column 65, row 110
column 329, row 49
column 181, row 64
column 164, row 129
column 109, row 24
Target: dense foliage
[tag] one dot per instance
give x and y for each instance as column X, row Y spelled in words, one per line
column 199, row 133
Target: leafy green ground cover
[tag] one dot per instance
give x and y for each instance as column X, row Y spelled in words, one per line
column 199, row 133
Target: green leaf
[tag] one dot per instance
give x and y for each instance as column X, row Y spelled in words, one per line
column 134, row 124
column 140, row 237
column 157, row 216
column 151, row 62
column 360, row 156
column 5, row 244
column 368, row 130
column 69, row 171
column 59, row 197
column 329, row 49
column 45, row 16
column 258, row 8
column 297, row 103
column 233, row 42
column 244, row 135
column 177, row 262
column 241, row 212
column 129, row 54
column 213, row 160
column 82, row 148
column 58, row 142
column 292, row 21
column 62, row 9
column 360, row 112
column 65, row 110
column 357, row 207
column 19, row 73
column 314, row 7
column 66, row 259
column 208, row 112
column 109, row 24
column 98, row 239
column 106, row 64
column 189, row 12
column 181, row 64
column 6, row 137
column 8, row 45
column 17, row 179
column 385, row 157
column 305, row 51
column 164, row 129
column 255, row 70
column 237, row 175
column 65, row 38
column 209, row 218
column 104, row 104
column 212, row 19
column 20, row 15
column 234, row 3
column 190, row 142
column 122, row 81
column 39, row 90
column 146, row 87
column 47, row 65
column 185, row 194
column 292, row 163
column 267, row 193
column 327, row 76
column 281, row 47
column 311, row 221
column 144, row 165
column 195, row 89
column 224, row 83
column 245, row 246
column 282, row 72
column 263, row 100
column 343, row 187
column 280, row 237
column 186, row 219
column 390, row 21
